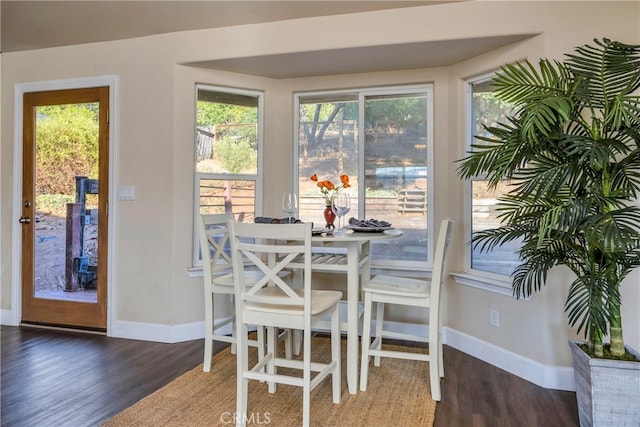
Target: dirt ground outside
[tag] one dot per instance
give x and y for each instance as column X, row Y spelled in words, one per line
column 50, row 249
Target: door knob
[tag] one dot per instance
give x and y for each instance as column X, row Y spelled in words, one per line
column 24, row 220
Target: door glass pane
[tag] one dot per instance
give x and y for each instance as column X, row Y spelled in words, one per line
column 66, row 231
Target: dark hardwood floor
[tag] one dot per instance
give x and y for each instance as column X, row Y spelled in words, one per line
column 67, row 379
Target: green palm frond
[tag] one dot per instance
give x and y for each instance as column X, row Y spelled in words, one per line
column 627, row 174
column 536, row 263
column 587, row 307
column 487, row 240
column 541, row 96
column 571, row 151
column 496, row 157
column 607, row 71
column 616, row 231
column 520, row 82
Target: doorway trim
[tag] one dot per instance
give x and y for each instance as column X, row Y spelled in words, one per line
column 52, row 85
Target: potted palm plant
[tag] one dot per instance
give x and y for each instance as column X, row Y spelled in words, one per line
column 570, row 151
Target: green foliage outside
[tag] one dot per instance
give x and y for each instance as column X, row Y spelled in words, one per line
column 212, row 113
column 403, row 112
column 67, row 146
column 234, row 116
column 236, row 157
column 488, row 111
column 236, row 138
column 408, row 113
column 55, row 203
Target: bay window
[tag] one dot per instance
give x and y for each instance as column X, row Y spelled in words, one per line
column 382, row 139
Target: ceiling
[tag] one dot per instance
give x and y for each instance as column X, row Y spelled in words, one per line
column 405, row 56
column 28, row 25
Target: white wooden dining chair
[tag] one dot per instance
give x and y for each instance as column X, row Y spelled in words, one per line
column 217, row 272
column 414, row 292
column 273, row 303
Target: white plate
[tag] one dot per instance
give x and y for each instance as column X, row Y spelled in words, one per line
column 367, row 229
column 317, row 231
column 393, row 232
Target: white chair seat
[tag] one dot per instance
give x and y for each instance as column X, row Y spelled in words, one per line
column 321, row 301
column 393, row 285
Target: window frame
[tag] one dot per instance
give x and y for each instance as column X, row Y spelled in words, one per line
column 487, row 280
column 198, row 176
column 362, row 94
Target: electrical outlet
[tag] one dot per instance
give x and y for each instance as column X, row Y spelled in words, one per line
column 494, row 318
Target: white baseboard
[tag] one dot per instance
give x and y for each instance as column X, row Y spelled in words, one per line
column 158, row 333
column 8, row 318
column 551, row 377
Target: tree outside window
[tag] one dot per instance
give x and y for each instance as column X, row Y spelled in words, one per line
column 381, row 139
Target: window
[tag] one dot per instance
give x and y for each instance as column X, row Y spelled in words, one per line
column 486, row 110
column 381, row 139
column 228, row 144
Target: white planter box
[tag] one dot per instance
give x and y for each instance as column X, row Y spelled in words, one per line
column 608, row 391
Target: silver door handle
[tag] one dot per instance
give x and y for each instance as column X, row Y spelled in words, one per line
column 24, row 220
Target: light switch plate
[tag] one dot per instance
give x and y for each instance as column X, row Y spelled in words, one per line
column 126, row 192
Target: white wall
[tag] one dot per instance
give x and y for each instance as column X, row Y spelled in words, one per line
column 155, row 298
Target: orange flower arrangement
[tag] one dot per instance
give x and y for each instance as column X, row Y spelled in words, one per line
column 328, row 188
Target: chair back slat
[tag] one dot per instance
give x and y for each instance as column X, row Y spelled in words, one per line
column 271, row 249
column 213, row 237
column 438, row 276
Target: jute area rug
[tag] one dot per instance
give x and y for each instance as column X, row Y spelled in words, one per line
column 397, row 394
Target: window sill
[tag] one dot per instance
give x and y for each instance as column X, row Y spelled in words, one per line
column 194, row 271
column 491, row 284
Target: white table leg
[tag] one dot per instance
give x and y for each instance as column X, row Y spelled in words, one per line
column 365, row 276
column 353, row 296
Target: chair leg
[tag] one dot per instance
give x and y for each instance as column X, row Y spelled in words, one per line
column 434, row 376
column 208, row 350
column 336, row 354
column 440, row 356
column 297, row 334
column 306, row 377
column 261, row 342
column 297, row 341
column 288, row 343
column 242, row 386
column 233, row 334
column 272, row 341
column 208, row 333
column 366, row 342
column 379, row 323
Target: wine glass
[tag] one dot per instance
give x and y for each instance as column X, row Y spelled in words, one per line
column 341, row 205
column 289, row 205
